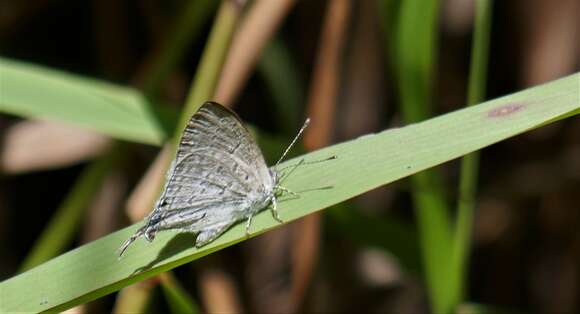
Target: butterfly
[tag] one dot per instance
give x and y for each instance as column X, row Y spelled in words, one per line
column 218, row 178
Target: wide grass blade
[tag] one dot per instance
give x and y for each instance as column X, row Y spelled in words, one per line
column 37, row 92
column 94, row 270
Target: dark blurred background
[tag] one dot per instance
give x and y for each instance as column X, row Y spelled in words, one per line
column 526, row 248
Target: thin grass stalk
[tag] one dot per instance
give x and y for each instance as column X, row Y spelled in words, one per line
column 470, row 163
column 415, row 52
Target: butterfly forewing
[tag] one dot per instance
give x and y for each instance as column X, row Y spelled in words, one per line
column 216, row 159
column 217, row 127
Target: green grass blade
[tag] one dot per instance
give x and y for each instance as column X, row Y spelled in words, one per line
column 470, row 163
column 37, row 92
column 93, row 270
column 415, row 53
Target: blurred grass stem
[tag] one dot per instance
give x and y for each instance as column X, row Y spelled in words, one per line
column 470, row 163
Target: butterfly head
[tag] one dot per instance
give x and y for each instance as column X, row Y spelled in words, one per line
column 274, row 175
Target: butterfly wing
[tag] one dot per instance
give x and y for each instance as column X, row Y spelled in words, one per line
column 217, row 178
column 217, row 127
column 218, row 169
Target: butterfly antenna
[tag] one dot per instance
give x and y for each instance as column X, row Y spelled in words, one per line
column 304, row 126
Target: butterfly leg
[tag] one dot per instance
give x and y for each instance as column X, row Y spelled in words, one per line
column 286, row 190
column 274, row 209
column 248, row 224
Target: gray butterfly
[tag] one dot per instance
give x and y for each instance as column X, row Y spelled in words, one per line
column 218, row 178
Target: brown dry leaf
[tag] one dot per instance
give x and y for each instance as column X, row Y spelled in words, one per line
column 79, row 309
column 134, row 298
column 458, row 16
column 550, row 40
column 325, row 79
column 32, row 145
column 257, row 27
column 363, row 92
column 218, row 291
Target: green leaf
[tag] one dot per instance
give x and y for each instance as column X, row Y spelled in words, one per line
column 365, row 163
column 36, row 92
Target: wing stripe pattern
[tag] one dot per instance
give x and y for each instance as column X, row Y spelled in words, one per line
column 216, row 158
column 218, row 177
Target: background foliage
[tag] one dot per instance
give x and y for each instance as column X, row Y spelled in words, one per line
column 100, row 85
